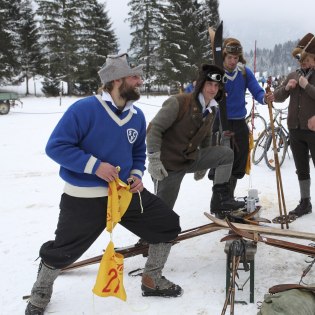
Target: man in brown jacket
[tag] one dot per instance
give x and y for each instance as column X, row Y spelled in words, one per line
column 300, row 86
column 179, row 142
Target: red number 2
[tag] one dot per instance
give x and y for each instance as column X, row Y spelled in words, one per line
column 114, row 276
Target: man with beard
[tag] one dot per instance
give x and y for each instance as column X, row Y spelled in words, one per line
column 94, row 137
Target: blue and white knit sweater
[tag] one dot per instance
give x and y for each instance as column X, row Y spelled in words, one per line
column 90, row 133
column 235, row 89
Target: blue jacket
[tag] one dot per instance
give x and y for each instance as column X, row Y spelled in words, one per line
column 189, row 88
column 235, row 90
column 90, row 132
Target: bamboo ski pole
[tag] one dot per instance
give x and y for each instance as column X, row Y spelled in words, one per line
column 253, row 118
column 281, row 200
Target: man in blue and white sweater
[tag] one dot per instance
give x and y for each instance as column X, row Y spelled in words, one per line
column 239, row 78
column 95, row 136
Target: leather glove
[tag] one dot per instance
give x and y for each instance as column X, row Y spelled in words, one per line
column 200, row 174
column 156, row 168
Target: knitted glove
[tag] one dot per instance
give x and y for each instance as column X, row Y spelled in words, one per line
column 156, row 168
column 226, row 137
column 200, row 174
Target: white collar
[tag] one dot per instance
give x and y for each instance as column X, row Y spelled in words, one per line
column 129, row 105
column 212, row 103
column 234, row 73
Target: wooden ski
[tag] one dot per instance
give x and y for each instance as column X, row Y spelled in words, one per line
column 263, row 229
column 216, row 41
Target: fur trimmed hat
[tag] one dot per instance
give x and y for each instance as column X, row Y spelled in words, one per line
column 117, row 67
column 302, row 44
column 305, row 40
column 233, row 46
column 209, row 72
column 310, row 47
column 309, row 50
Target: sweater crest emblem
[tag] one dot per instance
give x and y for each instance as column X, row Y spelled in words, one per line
column 132, row 135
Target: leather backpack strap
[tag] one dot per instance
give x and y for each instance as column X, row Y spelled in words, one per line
column 284, row 287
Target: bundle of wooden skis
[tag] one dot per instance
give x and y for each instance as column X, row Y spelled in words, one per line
column 254, row 233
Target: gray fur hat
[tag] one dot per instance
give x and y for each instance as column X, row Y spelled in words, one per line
column 117, row 67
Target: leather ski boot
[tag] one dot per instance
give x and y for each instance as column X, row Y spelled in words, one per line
column 221, row 201
column 232, row 186
column 33, row 310
column 304, row 207
column 42, row 289
column 153, row 283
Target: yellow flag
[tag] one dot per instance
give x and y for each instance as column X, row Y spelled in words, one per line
column 119, row 198
column 251, row 146
column 109, row 281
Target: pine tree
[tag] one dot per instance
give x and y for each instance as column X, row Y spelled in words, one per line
column 30, row 56
column 209, row 17
column 9, row 59
column 97, row 40
column 76, row 36
column 184, row 43
column 145, row 20
column 59, row 23
column 212, row 12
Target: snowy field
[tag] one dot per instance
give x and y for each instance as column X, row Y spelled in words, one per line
column 30, row 191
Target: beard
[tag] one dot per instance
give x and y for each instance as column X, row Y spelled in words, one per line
column 129, row 93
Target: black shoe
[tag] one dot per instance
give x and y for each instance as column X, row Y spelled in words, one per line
column 220, row 214
column 173, row 290
column 33, row 310
column 221, row 200
column 304, row 207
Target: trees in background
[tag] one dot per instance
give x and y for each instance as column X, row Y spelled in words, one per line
column 29, row 44
column 63, row 40
column 182, row 48
column 276, row 62
column 76, row 38
column 145, row 18
column 9, row 39
column 68, row 40
column 171, row 38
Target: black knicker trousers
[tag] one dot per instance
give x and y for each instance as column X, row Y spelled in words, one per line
column 240, row 147
column 82, row 220
column 302, row 144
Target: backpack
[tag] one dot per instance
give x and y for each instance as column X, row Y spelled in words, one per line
column 290, row 302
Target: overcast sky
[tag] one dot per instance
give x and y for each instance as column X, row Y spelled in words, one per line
column 269, row 22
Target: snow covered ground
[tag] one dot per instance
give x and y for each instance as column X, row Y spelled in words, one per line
column 30, row 191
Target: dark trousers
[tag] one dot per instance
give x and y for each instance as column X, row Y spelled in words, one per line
column 82, row 220
column 240, row 146
column 302, row 143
